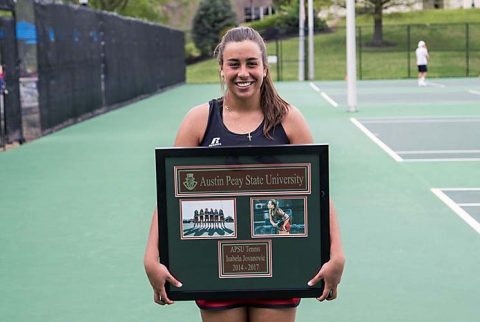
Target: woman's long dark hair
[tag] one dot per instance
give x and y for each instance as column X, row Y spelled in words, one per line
column 273, row 211
column 274, row 108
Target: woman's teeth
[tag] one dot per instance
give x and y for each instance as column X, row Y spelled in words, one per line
column 244, row 84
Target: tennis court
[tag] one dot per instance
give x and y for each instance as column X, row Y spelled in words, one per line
column 75, row 206
column 425, row 138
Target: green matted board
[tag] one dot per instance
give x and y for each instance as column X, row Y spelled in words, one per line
column 238, row 222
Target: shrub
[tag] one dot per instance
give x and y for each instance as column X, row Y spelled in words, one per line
column 192, row 54
column 284, row 23
column 212, row 18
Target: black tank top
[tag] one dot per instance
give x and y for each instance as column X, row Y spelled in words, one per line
column 217, row 133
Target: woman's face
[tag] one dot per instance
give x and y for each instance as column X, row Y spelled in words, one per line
column 243, row 68
column 270, row 205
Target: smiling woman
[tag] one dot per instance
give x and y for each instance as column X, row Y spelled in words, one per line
column 250, row 113
column 242, row 60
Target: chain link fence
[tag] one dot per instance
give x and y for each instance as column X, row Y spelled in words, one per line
column 61, row 64
column 90, row 61
column 454, row 52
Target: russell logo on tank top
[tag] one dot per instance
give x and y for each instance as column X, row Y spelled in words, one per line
column 215, row 142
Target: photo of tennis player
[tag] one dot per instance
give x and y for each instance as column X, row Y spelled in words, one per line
column 279, row 217
column 212, row 218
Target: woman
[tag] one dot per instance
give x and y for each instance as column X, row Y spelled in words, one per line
column 278, row 218
column 250, row 113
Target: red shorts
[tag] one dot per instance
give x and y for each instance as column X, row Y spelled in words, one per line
column 212, row 305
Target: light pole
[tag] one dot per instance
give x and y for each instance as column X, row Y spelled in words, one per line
column 351, row 58
column 311, row 60
column 301, row 41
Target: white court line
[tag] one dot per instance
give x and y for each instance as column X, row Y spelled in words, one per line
column 472, row 91
column 442, row 160
column 375, row 139
column 329, row 99
column 438, row 152
column 435, row 85
column 324, row 95
column 459, row 211
column 460, row 189
column 315, row 87
column 424, row 120
column 470, row 204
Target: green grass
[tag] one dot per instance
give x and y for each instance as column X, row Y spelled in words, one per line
column 446, row 43
column 424, row 17
column 203, row 72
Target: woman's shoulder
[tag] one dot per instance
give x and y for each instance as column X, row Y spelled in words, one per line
column 198, row 112
column 193, row 126
column 293, row 113
column 296, row 126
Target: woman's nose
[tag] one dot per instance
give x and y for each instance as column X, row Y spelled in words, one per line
column 243, row 71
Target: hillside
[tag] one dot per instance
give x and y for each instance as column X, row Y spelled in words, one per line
column 424, row 17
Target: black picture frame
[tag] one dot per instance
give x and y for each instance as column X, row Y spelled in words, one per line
column 241, row 257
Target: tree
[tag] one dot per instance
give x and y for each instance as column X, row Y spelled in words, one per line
column 107, row 5
column 317, row 4
column 280, row 3
column 145, row 9
column 212, row 18
column 376, row 7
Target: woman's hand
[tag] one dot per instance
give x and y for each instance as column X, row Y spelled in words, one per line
column 330, row 273
column 158, row 275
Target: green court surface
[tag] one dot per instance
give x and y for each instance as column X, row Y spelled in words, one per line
column 75, row 209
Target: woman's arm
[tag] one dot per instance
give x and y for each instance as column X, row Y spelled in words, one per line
column 190, row 134
column 331, row 272
column 193, row 127
column 296, row 127
column 270, row 215
column 157, row 273
column 298, row 132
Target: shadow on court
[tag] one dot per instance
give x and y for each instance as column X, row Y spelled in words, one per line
column 207, row 231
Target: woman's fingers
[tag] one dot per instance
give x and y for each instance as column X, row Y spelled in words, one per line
column 160, row 295
column 157, row 298
column 172, row 280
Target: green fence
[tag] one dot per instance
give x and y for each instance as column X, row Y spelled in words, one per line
column 454, row 52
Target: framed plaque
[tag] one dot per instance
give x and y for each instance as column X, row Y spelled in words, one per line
column 243, row 222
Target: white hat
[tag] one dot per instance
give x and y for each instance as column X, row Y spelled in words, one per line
column 421, row 43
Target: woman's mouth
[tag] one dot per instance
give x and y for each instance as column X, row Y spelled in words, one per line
column 244, row 84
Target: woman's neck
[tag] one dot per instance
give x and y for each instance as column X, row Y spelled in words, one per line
column 248, row 104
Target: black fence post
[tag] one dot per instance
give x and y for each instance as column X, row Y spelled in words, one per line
column 467, row 49
column 278, row 58
column 305, row 53
column 3, row 143
column 103, row 62
column 408, row 52
column 281, row 60
column 359, row 52
column 3, row 123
